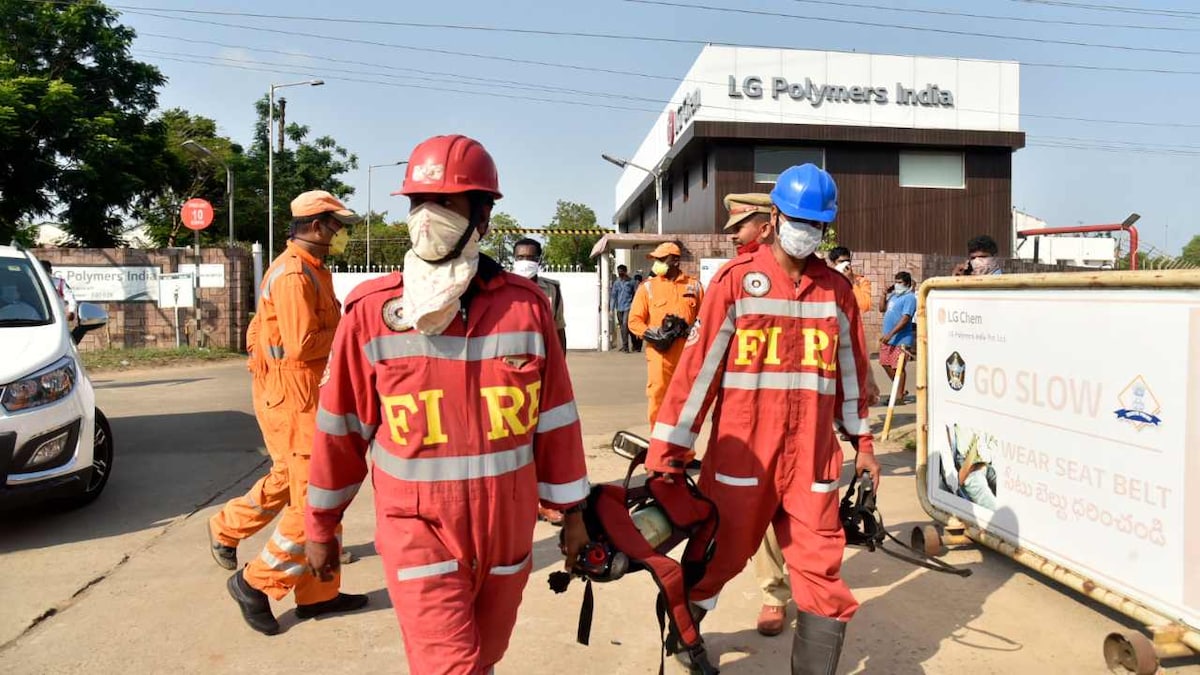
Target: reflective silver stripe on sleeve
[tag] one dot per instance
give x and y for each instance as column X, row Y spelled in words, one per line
column 789, row 381
column 736, row 481
column 276, row 351
column 433, row 469
column 821, row 487
column 708, row 603
column 423, row 571
column 289, row 568
column 509, row 570
column 343, row 425
column 674, row 435
column 454, row 348
column 708, row 370
column 286, row 545
column 556, row 418
column 320, row 498
column 565, row 493
column 312, row 276
column 271, row 279
column 793, row 309
column 848, row 366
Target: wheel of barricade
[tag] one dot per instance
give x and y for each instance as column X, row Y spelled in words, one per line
column 1130, row 652
column 926, row 539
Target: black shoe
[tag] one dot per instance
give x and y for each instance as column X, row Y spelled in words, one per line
column 344, row 602
column 226, row 556
column 255, row 606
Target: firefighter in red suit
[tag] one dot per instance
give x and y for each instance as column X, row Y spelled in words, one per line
column 779, row 346
column 452, row 377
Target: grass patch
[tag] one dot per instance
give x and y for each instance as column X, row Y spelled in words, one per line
column 910, row 445
column 152, row 357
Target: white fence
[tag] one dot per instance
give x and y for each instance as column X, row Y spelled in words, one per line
column 581, row 302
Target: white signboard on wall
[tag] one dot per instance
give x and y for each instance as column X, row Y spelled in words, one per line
column 1068, row 422
column 176, row 290
column 111, row 283
column 709, row 267
column 212, row 275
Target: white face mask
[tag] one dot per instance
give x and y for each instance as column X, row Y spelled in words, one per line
column 526, row 268
column 799, row 240
column 435, row 230
column 900, row 289
column 432, row 290
column 843, row 266
column 983, row 264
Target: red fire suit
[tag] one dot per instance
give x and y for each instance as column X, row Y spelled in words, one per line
column 467, row 431
column 783, row 362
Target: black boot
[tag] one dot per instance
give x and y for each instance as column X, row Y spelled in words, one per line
column 255, row 606
column 817, row 644
column 339, row 604
column 696, row 659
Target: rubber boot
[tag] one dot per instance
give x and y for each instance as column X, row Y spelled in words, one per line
column 695, row 660
column 817, row 644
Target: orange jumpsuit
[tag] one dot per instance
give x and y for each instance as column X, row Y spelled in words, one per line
column 653, row 301
column 782, row 362
column 242, row 516
column 298, row 315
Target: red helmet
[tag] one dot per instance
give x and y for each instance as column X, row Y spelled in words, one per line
column 450, row 164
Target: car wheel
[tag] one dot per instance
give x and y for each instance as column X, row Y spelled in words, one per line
column 102, row 463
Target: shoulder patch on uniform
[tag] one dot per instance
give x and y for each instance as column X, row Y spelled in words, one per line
column 393, row 315
column 693, row 335
column 386, row 283
column 756, row 284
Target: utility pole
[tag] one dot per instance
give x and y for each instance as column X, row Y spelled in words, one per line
column 282, row 123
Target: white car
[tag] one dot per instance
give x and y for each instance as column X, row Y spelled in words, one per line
column 55, row 445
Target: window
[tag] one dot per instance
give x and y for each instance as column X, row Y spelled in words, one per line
column 770, row 161
column 932, row 170
column 23, row 300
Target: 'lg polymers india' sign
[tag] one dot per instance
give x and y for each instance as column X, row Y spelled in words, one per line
column 754, row 87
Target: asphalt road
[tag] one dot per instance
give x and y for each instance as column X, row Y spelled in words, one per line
column 126, row 585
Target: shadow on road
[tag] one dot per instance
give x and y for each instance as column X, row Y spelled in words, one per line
column 165, row 466
column 109, row 384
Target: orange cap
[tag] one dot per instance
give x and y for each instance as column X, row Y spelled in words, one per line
column 665, row 249
column 317, row 202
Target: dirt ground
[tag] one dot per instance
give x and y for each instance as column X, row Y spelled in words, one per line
column 127, row 585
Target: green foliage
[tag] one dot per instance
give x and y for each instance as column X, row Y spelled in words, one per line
column 389, row 243
column 830, row 239
column 572, row 249
column 76, row 138
column 498, row 245
column 1191, row 252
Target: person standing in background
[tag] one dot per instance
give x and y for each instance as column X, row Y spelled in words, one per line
column 899, row 306
column 839, row 259
column 621, row 299
column 527, row 262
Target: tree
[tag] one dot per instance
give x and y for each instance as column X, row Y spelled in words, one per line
column 191, row 176
column 1191, row 252
column 389, row 243
column 498, row 244
column 76, row 138
column 572, row 249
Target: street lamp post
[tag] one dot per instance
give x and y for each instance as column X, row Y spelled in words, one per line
column 206, row 154
column 369, row 170
column 271, row 161
column 658, row 183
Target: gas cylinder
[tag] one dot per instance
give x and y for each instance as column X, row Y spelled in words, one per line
column 653, row 525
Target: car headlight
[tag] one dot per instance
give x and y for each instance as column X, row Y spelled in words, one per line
column 47, row 386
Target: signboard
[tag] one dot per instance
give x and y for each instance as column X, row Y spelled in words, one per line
column 1067, row 422
column 709, row 267
column 197, row 214
column 110, row 283
column 176, row 290
column 212, row 275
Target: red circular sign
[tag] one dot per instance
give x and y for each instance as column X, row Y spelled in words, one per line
column 197, row 214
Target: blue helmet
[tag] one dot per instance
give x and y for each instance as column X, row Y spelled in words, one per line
column 806, row 192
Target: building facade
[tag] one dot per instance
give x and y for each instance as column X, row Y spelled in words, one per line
column 921, row 148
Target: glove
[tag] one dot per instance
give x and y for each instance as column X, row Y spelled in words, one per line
column 656, row 339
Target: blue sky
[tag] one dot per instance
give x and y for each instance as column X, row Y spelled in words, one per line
column 548, row 151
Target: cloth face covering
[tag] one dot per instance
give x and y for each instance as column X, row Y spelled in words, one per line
column 432, row 290
column 526, row 268
column 660, row 268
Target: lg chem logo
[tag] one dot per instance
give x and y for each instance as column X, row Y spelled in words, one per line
column 959, row 316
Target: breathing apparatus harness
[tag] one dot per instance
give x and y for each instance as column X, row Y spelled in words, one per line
column 619, row 519
column 864, row 527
